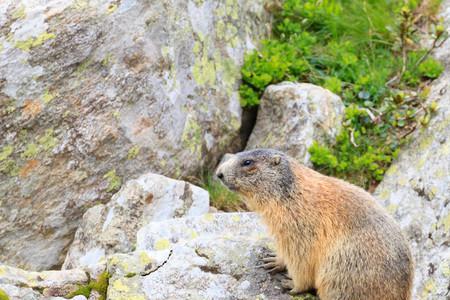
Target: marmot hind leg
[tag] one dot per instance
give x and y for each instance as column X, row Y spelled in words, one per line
column 288, row 284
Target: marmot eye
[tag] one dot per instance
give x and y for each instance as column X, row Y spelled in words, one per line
column 247, row 162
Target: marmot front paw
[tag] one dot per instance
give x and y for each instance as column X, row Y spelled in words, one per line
column 273, row 264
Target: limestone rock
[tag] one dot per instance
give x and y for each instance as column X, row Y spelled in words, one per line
column 95, row 92
column 25, row 285
column 112, row 228
column 416, row 190
column 214, row 256
column 292, row 116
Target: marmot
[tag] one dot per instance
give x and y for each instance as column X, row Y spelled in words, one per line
column 331, row 235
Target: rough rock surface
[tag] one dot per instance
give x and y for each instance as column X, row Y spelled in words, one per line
column 292, row 116
column 416, row 190
column 112, row 228
column 93, row 92
column 23, row 285
column 214, row 256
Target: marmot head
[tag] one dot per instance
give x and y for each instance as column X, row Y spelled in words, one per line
column 261, row 173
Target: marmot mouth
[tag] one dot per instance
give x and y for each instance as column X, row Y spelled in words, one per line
column 230, row 186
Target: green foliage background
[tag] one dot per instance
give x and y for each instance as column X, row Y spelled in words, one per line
column 366, row 51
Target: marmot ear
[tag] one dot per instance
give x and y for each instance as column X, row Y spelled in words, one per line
column 276, row 159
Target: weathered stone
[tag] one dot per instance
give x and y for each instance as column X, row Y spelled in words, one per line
column 95, row 92
column 292, row 116
column 21, row 284
column 111, row 228
column 215, row 256
column 416, row 190
column 16, row 293
column 41, row 280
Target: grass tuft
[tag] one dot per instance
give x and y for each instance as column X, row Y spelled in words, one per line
column 220, row 196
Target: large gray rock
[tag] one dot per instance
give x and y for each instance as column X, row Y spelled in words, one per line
column 214, row 256
column 416, row 190
column 292, row 116
column 93, row 92
column 112, row 228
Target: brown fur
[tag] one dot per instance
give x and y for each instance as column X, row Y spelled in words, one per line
column 331, row 235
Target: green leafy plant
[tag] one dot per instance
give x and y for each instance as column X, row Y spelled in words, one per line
column 366, row 51
column 430, row 68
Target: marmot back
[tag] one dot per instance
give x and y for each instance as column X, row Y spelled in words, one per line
column 331, row 235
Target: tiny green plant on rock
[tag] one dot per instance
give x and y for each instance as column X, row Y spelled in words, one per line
column 114, row 181
column 366, row 51
column 100, row 286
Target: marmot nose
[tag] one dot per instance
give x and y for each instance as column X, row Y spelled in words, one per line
column 220, row 175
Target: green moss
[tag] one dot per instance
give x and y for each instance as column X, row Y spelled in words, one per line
column 133, row 152
column 31, row 151
column 27, row 45
column 84, row 290
column 6, row 152
column 114, row 181
column 3, row 295
column 100, row 285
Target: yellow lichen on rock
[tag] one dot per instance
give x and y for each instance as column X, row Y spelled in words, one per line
column 445, row 221
column 429, row 288
column 392, row 208
column 204, row 71
column 445, row 267
column 27, row 45
column 118, row 285
column 19, row 13
column 208, row 217
column 145, row 259
column 192, row 136
column 162, row 244
column 47, row 97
